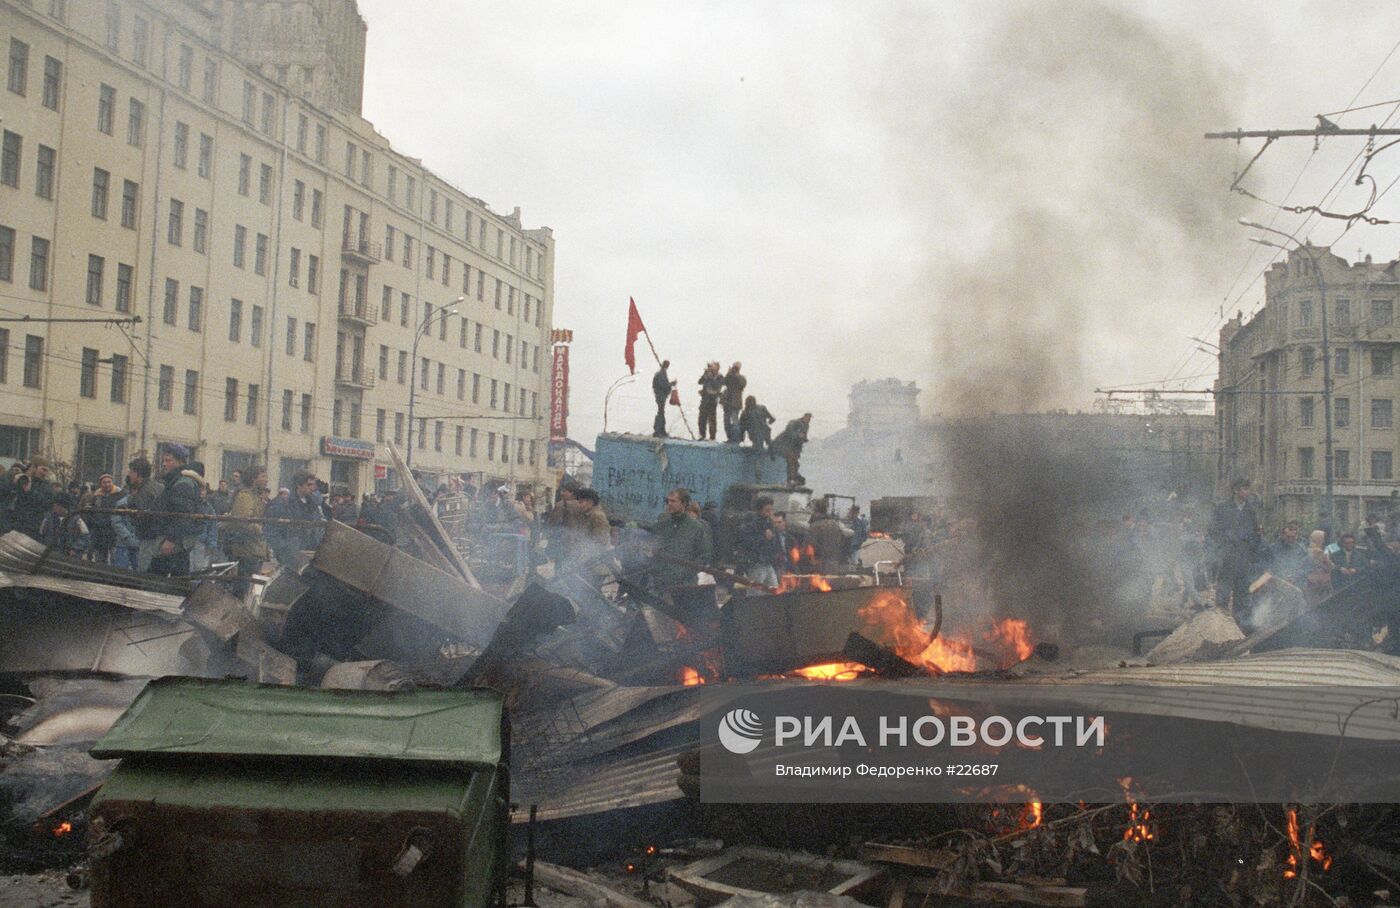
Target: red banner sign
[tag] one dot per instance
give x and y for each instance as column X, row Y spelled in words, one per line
column 559, row 395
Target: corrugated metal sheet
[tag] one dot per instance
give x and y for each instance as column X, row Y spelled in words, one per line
column 19, row 554
column 230, row 718
column 140, row 600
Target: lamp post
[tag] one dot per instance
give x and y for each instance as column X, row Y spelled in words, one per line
column 423, row 327
column 607, row 397
column 1326, row 360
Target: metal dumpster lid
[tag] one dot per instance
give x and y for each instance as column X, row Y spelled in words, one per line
column 195, row 716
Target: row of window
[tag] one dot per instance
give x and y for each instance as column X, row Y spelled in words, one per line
column 1382, row 464
column 1382, row 361
column 33, row 365
column 17, row 80
column 1382, row 313
column 467, row 442
column 527, row 401
column 438, row 266
column 12, row 164
column 39, row 249
column 1382, row 412
column 467, row 330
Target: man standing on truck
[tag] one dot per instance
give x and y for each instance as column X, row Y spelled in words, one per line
column 711, row 383
column 733, row 401
column 661, row 386
column 756, row 422
column 789, row 444
column 680, row 536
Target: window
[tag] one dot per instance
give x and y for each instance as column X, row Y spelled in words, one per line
column 291, row 337
column 350, row 160
column 321, row 143
column 10, row 148
column 422, row 433
column 201, row 231
column 1382, row 361
column 206, row 155
column 309, row 348
column 265, row 184
column 1382, row 311
column 315, row 208
column 1341, row 464
column 106, row 108
column 1341, row 314
column 313, row 274
column 254, row 392
column 175, row 235
column 471, row 449
column 235, row 320
column 510, row 348
column 250, row 102
column 458, row 446
column 165, row 388
column 403, row 367
column 260, row 255
column 410, row 191
column 476, row 388
column 461, row 386
column 33, row 360
column 305, row 413
column 510, row 301
column 87, row 378
column 500, row 244
column 366, row 169
column 184, row 67
column 462, row 334
column 39, row 264
column 196, row 320
column 211, row 80
column 294, row 268
column 1305, row 412
column 495, row 344
column 180, row 154
column 1305, row 463
column 447, row 222
column 490, row 445
column 466, row 278
column 432, row 205
column 240, row 245
column 423, row 377
column 467, row 227
column 43, row 173
column 388, row 242
column 269, row 112
column 53, row 82
column 403, row 310
column 1341, row 412
column 124, row 279
column 170, row 311
column 1381, row 465
column 499, row 285
column 441, row 378
column 94, row 280
column 383, row 363
column 230, row 399
column 386, row 303
column 7, row 254
column 493, row 394
column 1381, row 417
column 398, row 428
column 298, row 199
column 446, row 264
column 129, row 194
column 140, row 38
column 430, row 261
column 476, row 341
column 408, row 252
column 135, row 123
column 437, row 435
column 245, row 171
column 117, row 393
column 19, row 66
column 191, row 392
column 287, row 409
column 255, row 326
column 100, row 181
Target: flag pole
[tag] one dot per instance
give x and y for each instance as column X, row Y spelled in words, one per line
column 684, row 419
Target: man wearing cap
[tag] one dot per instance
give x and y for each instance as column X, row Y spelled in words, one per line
column 28, row 497
column 175, row 533
column 732, row 401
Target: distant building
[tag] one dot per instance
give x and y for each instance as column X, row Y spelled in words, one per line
column 1271, row 382
column 203, row 164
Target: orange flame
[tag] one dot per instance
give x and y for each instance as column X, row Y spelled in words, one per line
column 795, row 555
column 1317, row 852
column 888, row 620
column 831, row 671
column 690, row 677
column 803, row 583
column 1013, row 636
column 1138, row 829
column 62, row 829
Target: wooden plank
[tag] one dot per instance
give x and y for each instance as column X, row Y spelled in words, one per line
column 571, row 882
column 420, row 507
column 906, row 855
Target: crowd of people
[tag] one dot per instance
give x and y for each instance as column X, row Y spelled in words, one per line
column 743, row 416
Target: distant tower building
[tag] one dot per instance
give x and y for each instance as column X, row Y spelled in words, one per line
column 885, row 404
column 313, row 48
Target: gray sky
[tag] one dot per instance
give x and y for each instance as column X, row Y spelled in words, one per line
column 943, row 192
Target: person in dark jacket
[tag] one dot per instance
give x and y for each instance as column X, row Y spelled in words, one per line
column 64, row 531
column 176, row 534
column 711, row 384
column 142, row 492
column 304, row 503
column 1234, row 533
column 732, row 400
column 1288, row 558
column 104, row 533
column 28, row 497
column 759, row 551
column 827, row 539
column 756, row 422
column 789, row 444
column 661, row 386
column 1348, row 564
column 680, row 536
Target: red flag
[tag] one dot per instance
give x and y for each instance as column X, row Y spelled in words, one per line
column 634, row 327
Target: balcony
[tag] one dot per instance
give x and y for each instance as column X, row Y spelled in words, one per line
column 361, row 251
column 359, row 312
column 349, row 376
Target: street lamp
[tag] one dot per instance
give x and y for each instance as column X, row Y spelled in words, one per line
column 607, row 397
column 423, row 327
column 1326, row 356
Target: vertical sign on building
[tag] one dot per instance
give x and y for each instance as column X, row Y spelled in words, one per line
column 559, row 390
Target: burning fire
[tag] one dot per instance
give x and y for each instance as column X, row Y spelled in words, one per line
column 803, row 583
column 62, row 829
column 1028, row 817
column 1138, row 829
column 889, row 621
column 1316, row 852
column 831, row 671
column 690, row 677
column 1012, row 635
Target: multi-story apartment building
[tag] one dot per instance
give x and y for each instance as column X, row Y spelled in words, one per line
column 1270, row 386
column 203, row 165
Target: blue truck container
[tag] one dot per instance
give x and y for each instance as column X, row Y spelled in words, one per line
column 633, row 473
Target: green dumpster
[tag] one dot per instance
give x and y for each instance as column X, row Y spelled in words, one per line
column 237, row 794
